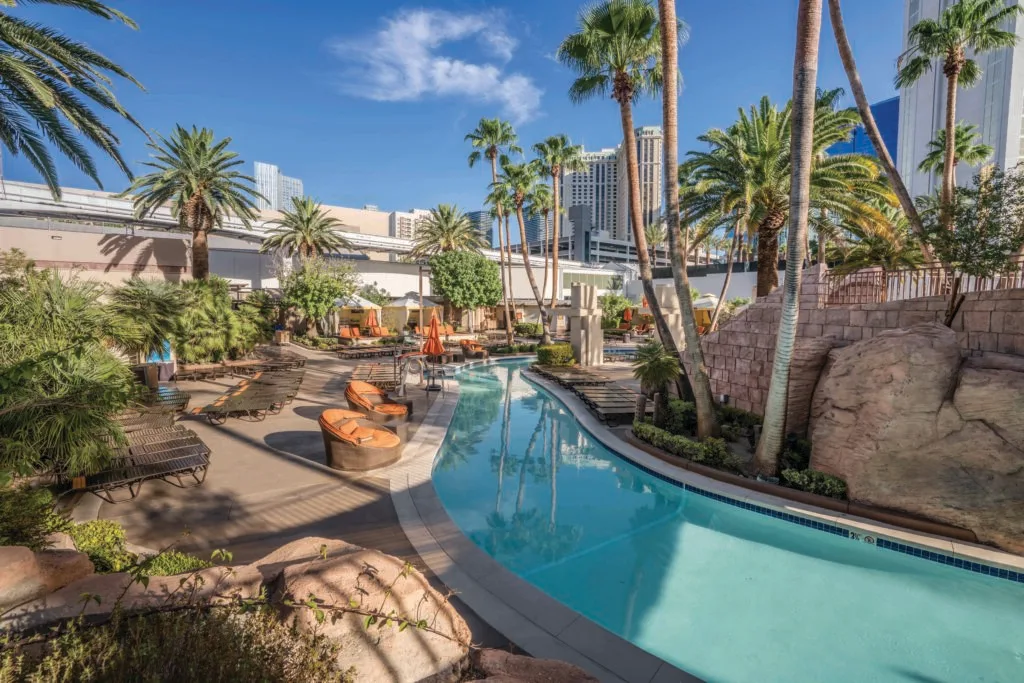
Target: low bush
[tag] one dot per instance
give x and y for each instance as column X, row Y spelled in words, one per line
column 514, row 348
column 615, row 332
column 813, row 481
column 740, row 418
column 710, row 452
column 529, row 329
column 173, row 562
column 796, row 454
column 189, row 646
column 681, row 418
column 104, row 542
column 320, row 343
column 555, row 354
column 27, row 517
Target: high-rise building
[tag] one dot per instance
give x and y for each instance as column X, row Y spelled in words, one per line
column 534, row 227
column 887, row 118
column 483, row 223
column 277, row 189
column 404, row 224
column 995, row 105
column 649, row 154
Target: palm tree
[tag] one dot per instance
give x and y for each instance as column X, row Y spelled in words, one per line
column 968, row 27
column 541, row 203
column 868, row 120
column 193, row 173
column 307, row 229
column 446, row 229
column 887, row 243
column 656, row 236
column 968, row 149
column 618, row 50
column 501, row 208
column 805, row 118
column 518, row 182
column 48, row 80
column 152, row 306
column 558, row 156
column 656, row 369
column 494, row 138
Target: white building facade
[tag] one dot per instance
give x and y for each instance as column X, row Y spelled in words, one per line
column 404, row 224
column 995, row 105
column 277, row 189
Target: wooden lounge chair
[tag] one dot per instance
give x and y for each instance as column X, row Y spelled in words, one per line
column 353, row 442
column 374, row 402
column 472, row 351
column 168, row 398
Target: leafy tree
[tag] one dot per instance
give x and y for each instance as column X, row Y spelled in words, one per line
column 49, row 80
column 194, row 175
column 375, row 294
column 257, row 315
column 446, row 229
column 968, row 27
column 968, row 149
column 153, row 305
column 315, row 287
column 613, row 305
column 306, row 229
column 466, row 279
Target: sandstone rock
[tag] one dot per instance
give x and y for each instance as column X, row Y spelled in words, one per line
column 378, row 653
column 501, row 667
column 20, row 580
column 303, row 550
column 59, row 540
column 885, row 418
column 58, row 568
column 809, row 356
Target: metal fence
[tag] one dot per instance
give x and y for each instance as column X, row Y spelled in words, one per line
column 875, row 285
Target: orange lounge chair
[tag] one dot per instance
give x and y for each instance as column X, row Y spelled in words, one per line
column 472, row 351
column 374, row 402
column 344, row 332
column 448, row 329
column 352, row 442
column 355, row 332
column 384, row 332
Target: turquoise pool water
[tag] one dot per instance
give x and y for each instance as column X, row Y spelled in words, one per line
column 724, row 593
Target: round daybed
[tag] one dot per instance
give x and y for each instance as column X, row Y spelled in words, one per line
column 353, row 442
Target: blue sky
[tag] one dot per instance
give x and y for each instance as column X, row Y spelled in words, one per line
column 368, row 102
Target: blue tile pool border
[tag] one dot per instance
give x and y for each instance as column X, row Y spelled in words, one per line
column 880, row 543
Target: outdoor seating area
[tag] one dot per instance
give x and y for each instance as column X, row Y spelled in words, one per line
column 374, row 402
column 611, row 402
column 381, row 375
column 381, row 351
column 168, row 398
column 253, row 399
column 354, row 442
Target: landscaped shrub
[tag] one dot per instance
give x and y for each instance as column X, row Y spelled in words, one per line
column 813, row 481
column 796, row 454
column 172, row 562
column 104, row 542
column 27, row 517
column 711, row 452
column 681, row 418
column 529, row 329
column 555, row 354
column 740, row 418
column 514, row 348
column 189, row 646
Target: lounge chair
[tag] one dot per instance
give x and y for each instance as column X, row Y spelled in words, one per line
column 374, row 402
column 353, row 442
column 448, row 329
column 472, row 351
column 344, row 332
column 355, row 332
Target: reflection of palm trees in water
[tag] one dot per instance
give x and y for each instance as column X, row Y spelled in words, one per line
column 472, row 421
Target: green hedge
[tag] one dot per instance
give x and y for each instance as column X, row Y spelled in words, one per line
column 813, row 481
column 555, row 354
column 711, row 452
column 27, row 517
column 173, row 562
column 529, row 329
column 515, row 348
column 681, row 417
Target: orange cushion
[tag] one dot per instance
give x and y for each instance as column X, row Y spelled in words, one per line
column 391, row 409
column 349, row 427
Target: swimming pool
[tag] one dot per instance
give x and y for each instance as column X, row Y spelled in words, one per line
column 723, row 592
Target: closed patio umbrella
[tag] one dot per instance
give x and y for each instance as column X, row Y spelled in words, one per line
column 371, row 319
column 433, row 348
column 628, row 315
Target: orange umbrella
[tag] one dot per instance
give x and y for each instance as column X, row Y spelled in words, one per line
column 645, row 302
column 628, row 315
column 371, row 319
column 433, row 345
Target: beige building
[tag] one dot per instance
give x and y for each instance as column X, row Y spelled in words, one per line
column 405, row 224
column 364, row 221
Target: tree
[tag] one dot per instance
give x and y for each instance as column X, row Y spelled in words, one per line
column 656, row 369
column 656, row 236
column 968, row 27
column 618, row 50
column 501, row 208
column 491, row 140
column 557, row 156
column 518, row 182
column 374, row 293
column 968, row 149
column 466, row 279
column 315, row 287
column 541, row 203
column 805, row 73
column 888, row 244
column 613, row 305
column 49, row 80
column 207, row 329
column 194, row 174
column 446, row 229
column 306, row 229
column 152, row 305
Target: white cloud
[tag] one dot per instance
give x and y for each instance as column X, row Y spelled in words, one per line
column 403, row 62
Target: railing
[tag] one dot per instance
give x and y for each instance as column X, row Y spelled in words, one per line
column 874, row 285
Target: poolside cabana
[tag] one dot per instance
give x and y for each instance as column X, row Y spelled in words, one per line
column 354, row 310
column 406, row 311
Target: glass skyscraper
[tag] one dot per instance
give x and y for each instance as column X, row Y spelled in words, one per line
column 887, row 117
column 277, row 189
column 483, row 223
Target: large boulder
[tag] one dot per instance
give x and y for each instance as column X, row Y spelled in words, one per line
column 499, row 666
column 376, row 582
column 58, row 568
column 909, row 429
column 20, row 580
column 809, row 357
column 302, row 550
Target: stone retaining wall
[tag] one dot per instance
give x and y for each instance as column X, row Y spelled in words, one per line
column 740, row 354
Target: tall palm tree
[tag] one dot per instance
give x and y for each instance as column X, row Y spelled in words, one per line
column 446, row 229
column 49, row 80
column 307, row 229
column 656, row 237
column 194, row 174
column 618, row 50
column 492, row 139
column 501, row 208
column 541, row 202
column 870, row 126
column 558, row 156
column 805, row 106
column 518, row 182
column 968, row 27
column 968, row 149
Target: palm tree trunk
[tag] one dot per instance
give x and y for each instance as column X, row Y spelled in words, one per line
column 768, row 252
column 949, row 164
column 505, row 425
column 547, row 236
column 505, row 286
column 200, row 255
column 871, row 128
column 511, row 286
column 728, row 277
column 805, row 73
column 555, row 225
column 699, row 381
column 544, row 321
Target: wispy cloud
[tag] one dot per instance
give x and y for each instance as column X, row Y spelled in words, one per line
column 404, row 61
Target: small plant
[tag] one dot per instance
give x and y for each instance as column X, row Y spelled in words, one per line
column 656, row 369
column 681, row 418
column 104, row 542
column 555, row 354
column 796, row 455
column 529, row 329
column 27, row 517
column 813, row 481
column 514, row 348
column 171, row 563
column 710, row 452
column 735, row 416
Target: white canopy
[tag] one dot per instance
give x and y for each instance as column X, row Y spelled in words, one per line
column 355, row 301
column 409, row 302
column 706, row 301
